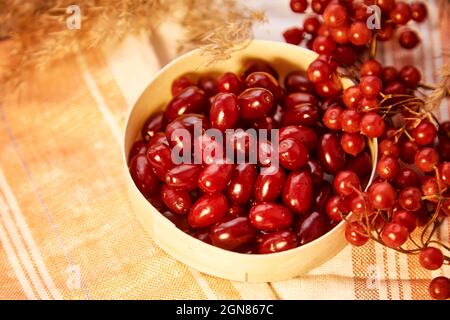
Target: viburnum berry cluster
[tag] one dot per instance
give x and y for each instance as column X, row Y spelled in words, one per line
column 410, row 197
column 344, row 27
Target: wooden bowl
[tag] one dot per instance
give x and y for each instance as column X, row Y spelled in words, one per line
column 195, row 253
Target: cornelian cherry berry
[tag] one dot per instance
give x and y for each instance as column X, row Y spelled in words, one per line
column 207, row 210
column 269, row 216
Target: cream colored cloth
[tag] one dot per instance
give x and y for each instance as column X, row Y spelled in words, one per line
column 67, row 230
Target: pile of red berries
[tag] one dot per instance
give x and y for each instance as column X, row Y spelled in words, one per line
column 236, row 206
column 412, row 187
column 344, row 27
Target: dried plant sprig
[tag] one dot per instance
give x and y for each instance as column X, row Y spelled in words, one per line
column 38, row 33
column 231, row 32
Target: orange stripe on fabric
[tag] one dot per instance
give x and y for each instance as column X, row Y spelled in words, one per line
column 105, row 81
column 86, row 192
column 364, row 261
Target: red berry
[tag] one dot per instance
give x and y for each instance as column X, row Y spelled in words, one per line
column 335, row 15
column 401, row 13
column 191, row 100
column 179, row 84
column 382, row 195
column 371, row 86
column 388, row 168
column 178, row 201
column 332, row 118
column 311, row 227
column 255, row 103
column 346, row 183
column 372, row 125
column 269, row 216
column 143, row 176
column 298, row 192
column 410, row 199
column 268, row 187
column 307, row 136
column 439, row 288
column 293, row 35
column 299, row 6
column 388, row 148
column 207, row 210
column 431, row 258
column 154, row 123
column 371, row 68
column 319, row 71
column 419, row 11
column 224, row 112
column 312, row 25
column 407, row 178
column 184, row 177
column 356, row 234
column 230, row 83
column 426, row 159
column 330, row 154
column 324, row 45
column 353, row 143
column 406, row 219
column 444, row 172
column 409, row 39
column 394, row 235
column 352, row 96
column 232, row 233
column 351, row 121
column 297, row 82
column 410, row 76
column 359, row 33
column 238, row 190
column 425, row 133
column 293, row 155
column 389, row 74
column 276, row 242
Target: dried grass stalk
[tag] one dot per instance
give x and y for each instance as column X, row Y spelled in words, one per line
column 39, row 35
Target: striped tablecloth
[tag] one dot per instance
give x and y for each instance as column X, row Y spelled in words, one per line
column 67, row 230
